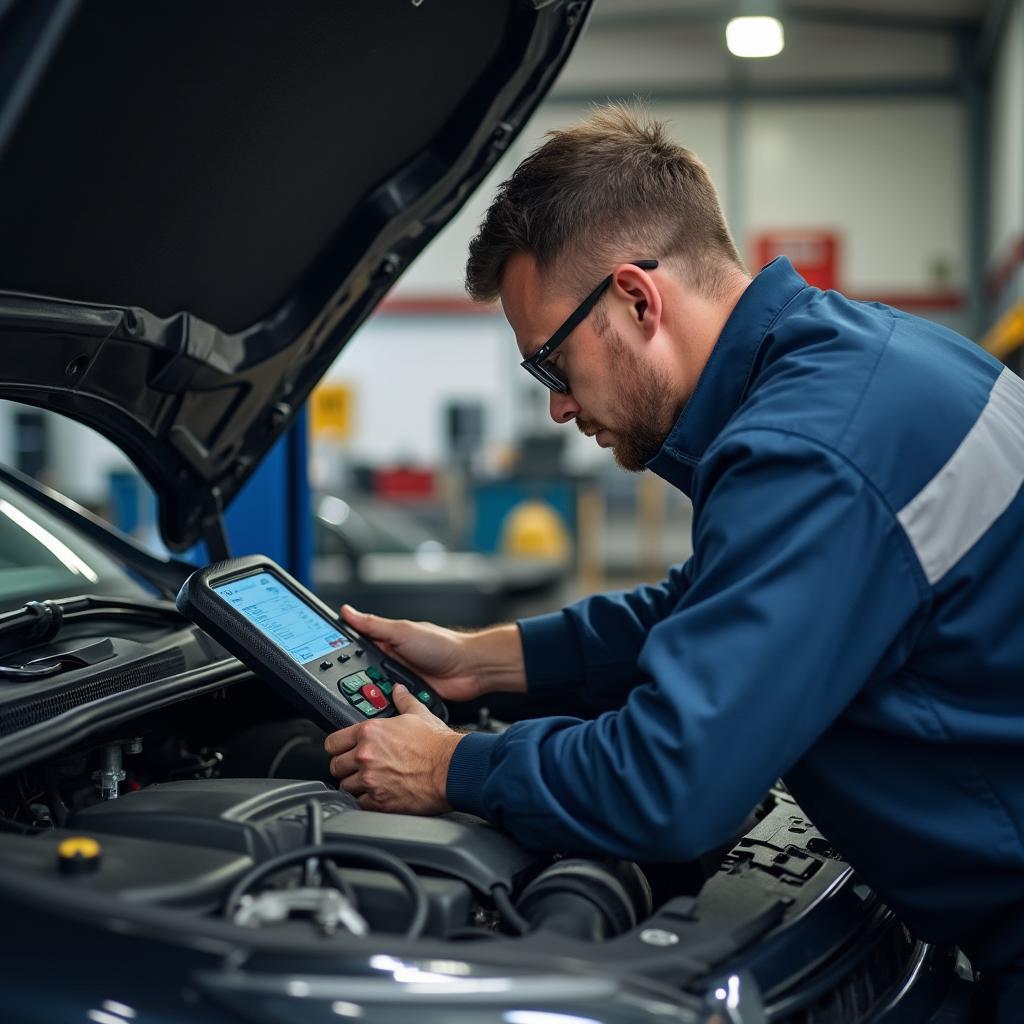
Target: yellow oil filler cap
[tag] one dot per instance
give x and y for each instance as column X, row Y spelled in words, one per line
column 78, row 854
column 533, row 529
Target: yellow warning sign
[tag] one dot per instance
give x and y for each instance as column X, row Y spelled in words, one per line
column 330, row 411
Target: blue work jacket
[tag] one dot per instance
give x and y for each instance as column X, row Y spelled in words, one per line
column 852, row 619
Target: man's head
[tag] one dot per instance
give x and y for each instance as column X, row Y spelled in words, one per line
column 588, row 204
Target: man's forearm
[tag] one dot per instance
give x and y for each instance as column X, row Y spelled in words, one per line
column 497, row 655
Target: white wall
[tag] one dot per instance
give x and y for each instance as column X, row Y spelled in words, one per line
column 80, row 459
column 404, row 370
column 887, row 175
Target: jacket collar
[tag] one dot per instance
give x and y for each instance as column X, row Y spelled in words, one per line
column 724, row 382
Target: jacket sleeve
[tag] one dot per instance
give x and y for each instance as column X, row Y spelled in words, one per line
column 593, row 645
column 803, row 589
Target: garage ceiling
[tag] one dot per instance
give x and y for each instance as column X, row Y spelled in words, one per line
column 941, row 10
column 675, row 50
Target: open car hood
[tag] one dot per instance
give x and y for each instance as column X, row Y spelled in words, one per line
column 201, row 202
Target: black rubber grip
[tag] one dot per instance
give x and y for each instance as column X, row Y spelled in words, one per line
column 317, row 701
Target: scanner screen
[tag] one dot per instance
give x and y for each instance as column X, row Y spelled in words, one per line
column 283, row 617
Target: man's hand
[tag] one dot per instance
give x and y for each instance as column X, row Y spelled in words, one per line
column 396, row 764
column 458, row 666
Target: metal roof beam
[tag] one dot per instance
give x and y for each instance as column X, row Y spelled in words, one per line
column 753, row 92
column 794, row 12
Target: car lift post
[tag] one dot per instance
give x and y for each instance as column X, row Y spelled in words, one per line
column 271, row 514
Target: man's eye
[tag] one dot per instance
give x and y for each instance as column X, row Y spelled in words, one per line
column 552, row 365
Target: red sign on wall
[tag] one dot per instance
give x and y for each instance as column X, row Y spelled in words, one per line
column 403, row 484
column 814, row 254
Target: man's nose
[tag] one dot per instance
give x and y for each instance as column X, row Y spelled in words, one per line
column 563, row 407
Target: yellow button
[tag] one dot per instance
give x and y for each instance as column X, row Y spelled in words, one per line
column 78, row 846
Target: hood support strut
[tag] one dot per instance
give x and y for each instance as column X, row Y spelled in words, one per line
column 214, row 533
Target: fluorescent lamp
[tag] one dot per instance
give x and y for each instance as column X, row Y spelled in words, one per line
column 754, row 37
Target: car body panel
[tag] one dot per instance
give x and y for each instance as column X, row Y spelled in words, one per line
column 210, row 230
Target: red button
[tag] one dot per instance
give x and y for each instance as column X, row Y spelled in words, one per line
column 374, row 695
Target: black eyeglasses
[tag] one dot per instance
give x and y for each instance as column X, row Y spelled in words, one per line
column 550, row 376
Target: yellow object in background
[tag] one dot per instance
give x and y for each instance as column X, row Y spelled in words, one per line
column 533, row 529
column 330, row 411
column 1008, row 333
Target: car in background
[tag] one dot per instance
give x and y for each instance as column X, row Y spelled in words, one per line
column 378, row 557
column 200, row 204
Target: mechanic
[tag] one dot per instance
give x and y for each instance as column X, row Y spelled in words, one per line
column 850, row 617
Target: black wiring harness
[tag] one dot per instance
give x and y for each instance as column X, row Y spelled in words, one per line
column 319, row 859
column 317, row 856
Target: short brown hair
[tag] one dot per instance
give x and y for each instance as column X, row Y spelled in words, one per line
column 608, row 189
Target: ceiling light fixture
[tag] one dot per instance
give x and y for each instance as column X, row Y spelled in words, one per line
column 754, row 36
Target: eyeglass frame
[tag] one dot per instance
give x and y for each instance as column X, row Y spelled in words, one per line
column 534, row 364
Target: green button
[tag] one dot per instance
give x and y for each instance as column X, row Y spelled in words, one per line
column 367, row 709
column 424, row 696
column 354, row 682
column 375, row 673
column 386, row 686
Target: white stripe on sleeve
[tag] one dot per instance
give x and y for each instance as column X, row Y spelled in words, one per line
column 955, row 509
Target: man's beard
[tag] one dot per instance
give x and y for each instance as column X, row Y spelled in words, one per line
column 648, row 409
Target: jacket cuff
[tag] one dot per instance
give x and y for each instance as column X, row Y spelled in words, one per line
column 551, row 653
column 468, row 771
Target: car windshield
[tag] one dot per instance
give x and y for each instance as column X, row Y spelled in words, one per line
column 42, row 558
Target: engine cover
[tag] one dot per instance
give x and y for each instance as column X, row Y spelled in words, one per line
column 263, row 817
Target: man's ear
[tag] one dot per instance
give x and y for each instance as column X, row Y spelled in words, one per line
column 639, row 290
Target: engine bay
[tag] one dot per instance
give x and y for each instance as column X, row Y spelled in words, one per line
column 177, row 825
column 217, row 810
column 175, row 828
column 296, row 854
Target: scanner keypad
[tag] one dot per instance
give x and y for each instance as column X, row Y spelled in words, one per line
column 369, row 691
